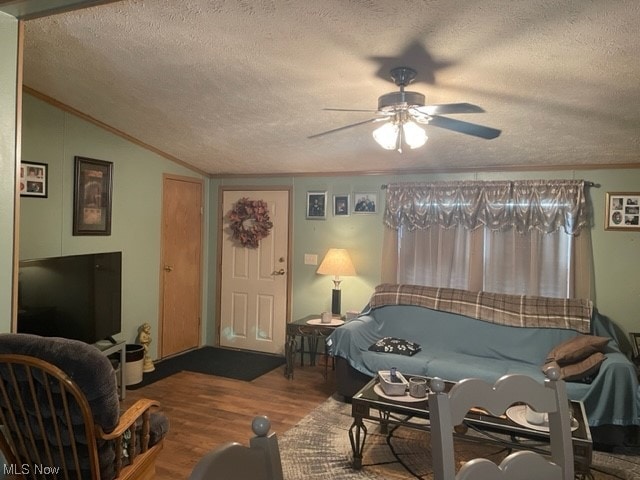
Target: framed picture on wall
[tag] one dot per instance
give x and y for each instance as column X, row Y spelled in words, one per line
column 34, row 179
column 92, row 197
column 365, row 202
column 341, row 205
column 622, row 211
column 317, row 205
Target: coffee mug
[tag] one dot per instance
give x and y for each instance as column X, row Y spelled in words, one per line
column 325, row 317
column 535, row 418
column 418, row 387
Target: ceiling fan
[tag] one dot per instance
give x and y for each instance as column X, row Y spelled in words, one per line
column 402, row 111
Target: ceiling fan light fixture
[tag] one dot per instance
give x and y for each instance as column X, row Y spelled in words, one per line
column 387, row 135
column 404, row 112
column 414, row 135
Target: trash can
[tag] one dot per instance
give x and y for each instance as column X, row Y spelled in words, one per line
column 133, row 366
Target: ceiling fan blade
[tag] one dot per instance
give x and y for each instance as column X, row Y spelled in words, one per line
column 464, row 127
column 371, row 120
column 447, row 108
column 348, row 110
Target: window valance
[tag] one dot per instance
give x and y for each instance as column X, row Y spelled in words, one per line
column 546, row 205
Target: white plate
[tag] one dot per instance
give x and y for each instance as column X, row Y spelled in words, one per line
column 397, row 398
column 517, row 414
column 335, row 322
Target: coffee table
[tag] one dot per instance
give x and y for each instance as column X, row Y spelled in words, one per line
column 368, row 405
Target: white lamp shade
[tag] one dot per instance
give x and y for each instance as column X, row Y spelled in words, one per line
column 387, row 135
column 414, row 135
column 337, row 262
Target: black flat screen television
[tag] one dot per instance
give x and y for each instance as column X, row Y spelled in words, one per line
column 76, row 296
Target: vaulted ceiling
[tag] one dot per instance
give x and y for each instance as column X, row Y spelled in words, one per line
column 237, row 87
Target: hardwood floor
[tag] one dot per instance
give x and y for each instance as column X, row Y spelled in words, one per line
column 206, row 411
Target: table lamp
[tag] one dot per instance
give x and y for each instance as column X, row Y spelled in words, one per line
column 336, row 262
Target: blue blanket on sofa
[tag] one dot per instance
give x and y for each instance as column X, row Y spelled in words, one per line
column 455, row 346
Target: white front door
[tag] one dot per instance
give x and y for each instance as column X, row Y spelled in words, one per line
column 254, row 281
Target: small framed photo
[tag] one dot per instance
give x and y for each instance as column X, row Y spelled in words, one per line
column 341, row 205
column 365, row 202
column 34, row 179
column 92, row 197
column 317, row 205
column 622, row 211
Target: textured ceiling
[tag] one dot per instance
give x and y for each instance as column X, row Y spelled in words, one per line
column 236, row 87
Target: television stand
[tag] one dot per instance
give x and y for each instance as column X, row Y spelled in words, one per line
column 107, row 347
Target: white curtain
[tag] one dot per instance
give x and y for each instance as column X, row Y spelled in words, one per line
column 510, row 237
column 453, row 257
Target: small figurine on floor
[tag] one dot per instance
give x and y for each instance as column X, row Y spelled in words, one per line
column 144, row 339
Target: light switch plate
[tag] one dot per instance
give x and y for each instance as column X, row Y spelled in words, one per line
column 310, row 259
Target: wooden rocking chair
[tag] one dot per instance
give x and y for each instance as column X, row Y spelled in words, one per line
column 60, row 413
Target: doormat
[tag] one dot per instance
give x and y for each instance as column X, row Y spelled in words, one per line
column 318, row 448
column 223, row 362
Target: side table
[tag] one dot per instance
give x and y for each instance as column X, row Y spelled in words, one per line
column 107, row 348
column 312, row 332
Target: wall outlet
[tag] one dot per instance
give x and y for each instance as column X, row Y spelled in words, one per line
column 310, row 259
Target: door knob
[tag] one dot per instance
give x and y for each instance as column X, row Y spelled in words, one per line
column 279, row 272
column 168, row 268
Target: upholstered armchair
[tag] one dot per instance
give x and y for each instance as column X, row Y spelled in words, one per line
column 59, row 411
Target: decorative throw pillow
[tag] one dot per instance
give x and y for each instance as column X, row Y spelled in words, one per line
column 583, row 371
column 395, row 345
column 576, row 349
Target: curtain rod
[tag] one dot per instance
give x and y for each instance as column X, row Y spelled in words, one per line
column 588, row 184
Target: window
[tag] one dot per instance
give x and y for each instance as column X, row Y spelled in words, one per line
column 526, row 237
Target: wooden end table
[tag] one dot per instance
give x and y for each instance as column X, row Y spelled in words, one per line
column 310, row 329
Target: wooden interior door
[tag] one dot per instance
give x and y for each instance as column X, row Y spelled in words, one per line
column 254, row 292
column 181, row 267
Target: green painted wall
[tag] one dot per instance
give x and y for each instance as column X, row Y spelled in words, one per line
column 54, row 137
column 616, row 257
column 8, row 79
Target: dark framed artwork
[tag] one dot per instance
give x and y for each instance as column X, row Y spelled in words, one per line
column 92, row 197
column 622, row 211
column 365, row 202
column 341, row 205
column 317, row 205
column 34, row 179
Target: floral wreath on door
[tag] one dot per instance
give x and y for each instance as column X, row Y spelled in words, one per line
column 249, row 222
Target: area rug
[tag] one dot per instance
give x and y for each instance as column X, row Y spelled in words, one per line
column 318, row 448
column 223, row 362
